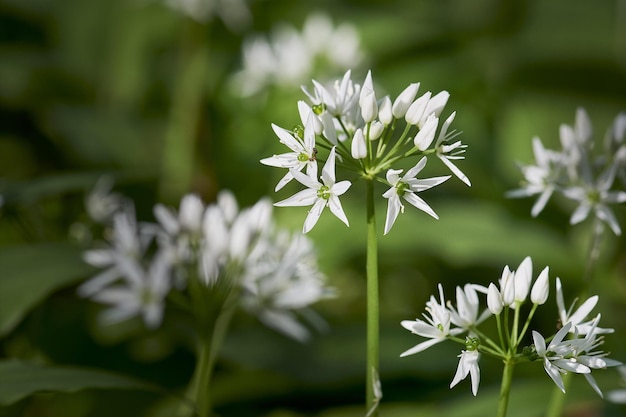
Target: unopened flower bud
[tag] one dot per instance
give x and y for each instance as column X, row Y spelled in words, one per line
column 404, row 100
column 376, row 129
column 426, row 134
column 384, row 111
column 435, row 105
column 416, row 109
column 494, row 300
column 359, row 147
column 523, row 278
column 507, row 286
column 541, row 288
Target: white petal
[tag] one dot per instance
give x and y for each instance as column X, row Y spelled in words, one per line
column 335, row 207
column 456, row 171
column 421, row 347
column 302, row 198
column 403, row 101
column 314, row 215
column 393, row 209
column 419, row 203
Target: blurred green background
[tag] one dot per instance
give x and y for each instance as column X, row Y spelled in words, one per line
column 143, row 92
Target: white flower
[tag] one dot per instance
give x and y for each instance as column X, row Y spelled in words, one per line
column 102, row 204
column 406, row 187
column 576, row 318
column 436, row 327
column 359, row 147
column 367, row 100
column 541, row 288
column 142, row 292
column 281, row 280
column 303, row 153
column 541, row 178
column 454, row 151
column 494, row 299
column 341, row 100
column 404, row 100
column 465, row 315
column 555, row 356
column 126, row 241
column 319, row 195
column 597, row 196
column 426, row 134
column 468, row 364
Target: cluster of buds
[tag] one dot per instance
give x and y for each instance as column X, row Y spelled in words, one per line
column 580, row 171
column 356, row 131
column 573, row 347
column 204, row 249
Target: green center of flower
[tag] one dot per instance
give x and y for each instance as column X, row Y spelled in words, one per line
column 324, row 192
column 319, row 108
column 302, row 157
column 401, row 188
column 471, row 343
column 298, row 131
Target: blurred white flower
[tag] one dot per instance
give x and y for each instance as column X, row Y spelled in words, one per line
column 102, row 204
column 579, row 171
column 234, row 13
column 289, row 57
column 142, row 292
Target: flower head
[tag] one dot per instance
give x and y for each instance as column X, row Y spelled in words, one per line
column 468, row 365
column 319, row 194
column 406, row 187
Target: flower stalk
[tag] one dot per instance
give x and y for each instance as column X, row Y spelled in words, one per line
column 505, row 387
column 372, row 360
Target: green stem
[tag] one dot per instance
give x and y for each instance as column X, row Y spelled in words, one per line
column 208, row 350
column 505, row 388
column 372, row 301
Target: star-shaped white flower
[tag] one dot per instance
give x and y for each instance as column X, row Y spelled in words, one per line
column 557, row 356
column 436, row 327
column 319, row 194
column 447, row 152
column 406, row 187
column 576, row 317
column 468, row 364
column 303, row 152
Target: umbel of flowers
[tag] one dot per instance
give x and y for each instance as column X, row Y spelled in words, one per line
column 359, row 135
column 583, row 170
column 572, row 348
column 204, row 261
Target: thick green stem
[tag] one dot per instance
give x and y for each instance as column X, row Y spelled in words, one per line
column 505, row 388
column 372, row 302
column 208, row 350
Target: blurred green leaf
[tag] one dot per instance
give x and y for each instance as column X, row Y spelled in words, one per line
column 18, row 380
column 30, row 273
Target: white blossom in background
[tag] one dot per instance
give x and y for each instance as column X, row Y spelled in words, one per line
column 101, row 203
column 619, row 395
column 574, row 347
column 354, row 128
column 288, row 57
column 208, row 248
column 234, row 13
column 582, row 170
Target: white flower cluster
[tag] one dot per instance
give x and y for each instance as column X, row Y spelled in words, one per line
column 289, row 57
column 572, row 349
column 357, row 129
column 579, row 174
column 205, row 247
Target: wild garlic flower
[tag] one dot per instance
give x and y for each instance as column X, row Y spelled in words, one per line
column 234, row 13
column 619, row 395
column 288, row 57
column 573, row 347
column 581, row 171
column 203, row 252
column 356, row 127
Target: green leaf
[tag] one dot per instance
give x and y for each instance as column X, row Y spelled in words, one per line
column 19, row 379
column 31, row 273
